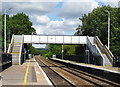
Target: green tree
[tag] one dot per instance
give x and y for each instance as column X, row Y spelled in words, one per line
column 43, row 52
column 33, row 50
column 20, row 24
column 17, row 24
column 55, row 49
column 96, row 23
column 69, row 49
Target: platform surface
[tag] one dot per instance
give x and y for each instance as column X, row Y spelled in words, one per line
column 106, row 68
column 28, row 73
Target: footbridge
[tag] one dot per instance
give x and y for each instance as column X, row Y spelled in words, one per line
column 16, row 47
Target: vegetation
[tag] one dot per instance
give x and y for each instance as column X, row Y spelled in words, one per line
column 33, row 50
column 96, row 23
column 57, row 50
column 17, row 24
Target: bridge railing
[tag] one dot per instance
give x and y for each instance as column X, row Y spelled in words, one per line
column 11, row 44
column 5, row 61
column 92, row 47
column 55, row 39
column 109, row 54
column 99, row 44
column 104, row 50
column 21, row 49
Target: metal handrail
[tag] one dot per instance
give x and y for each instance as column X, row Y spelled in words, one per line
column 99, row 40
column 11, row 44
column 99, row 44
column 20, row 50
column 93, row 46
column 105, row 49
column 109, row 53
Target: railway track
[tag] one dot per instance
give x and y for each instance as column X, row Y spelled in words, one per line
column 74, row 77
column 55, row 78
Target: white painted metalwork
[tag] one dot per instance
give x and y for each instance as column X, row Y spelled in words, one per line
column 55, row 39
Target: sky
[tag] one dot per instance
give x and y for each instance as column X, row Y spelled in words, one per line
column 54, row 17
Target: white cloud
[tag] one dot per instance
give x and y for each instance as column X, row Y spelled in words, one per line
column 52, row 28
column 76, row 9
column 58, row 27
column 32, row 0
column 30, row 8
column 72, row 22
column 43, row 19
column 39, row 45
column 55, row 24
column 94, row 4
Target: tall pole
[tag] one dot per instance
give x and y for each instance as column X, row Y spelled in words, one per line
column 5, row 33
column 5, row 30
column 108, row 30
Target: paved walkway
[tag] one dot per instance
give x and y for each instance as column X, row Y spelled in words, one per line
column 107, row 68
column 28, row 74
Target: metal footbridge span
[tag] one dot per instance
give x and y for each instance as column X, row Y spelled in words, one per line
column 16, row 47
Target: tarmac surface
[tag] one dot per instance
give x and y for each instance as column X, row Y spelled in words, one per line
column 107, row 68
column 27, row 74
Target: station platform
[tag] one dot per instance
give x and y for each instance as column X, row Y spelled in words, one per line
column 105, row 68
column 28, row 74
column 107, row 72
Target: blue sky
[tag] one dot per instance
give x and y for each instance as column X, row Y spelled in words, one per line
column 56, row 18
column 52, row 16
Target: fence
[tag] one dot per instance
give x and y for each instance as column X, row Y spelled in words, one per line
column 82, row 59
column 72, row 58
column 5, row 61
column 117, row 61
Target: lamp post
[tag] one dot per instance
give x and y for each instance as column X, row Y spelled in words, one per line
column 5, row 30
column 108, row 28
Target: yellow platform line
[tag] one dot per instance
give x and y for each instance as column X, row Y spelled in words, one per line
column 25, row 78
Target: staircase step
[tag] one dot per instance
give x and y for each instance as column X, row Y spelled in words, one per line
column 106, row 60
column 15, row 57
column 17, row 38
column 17, row 44
column 16, row 49
column 15, row 52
